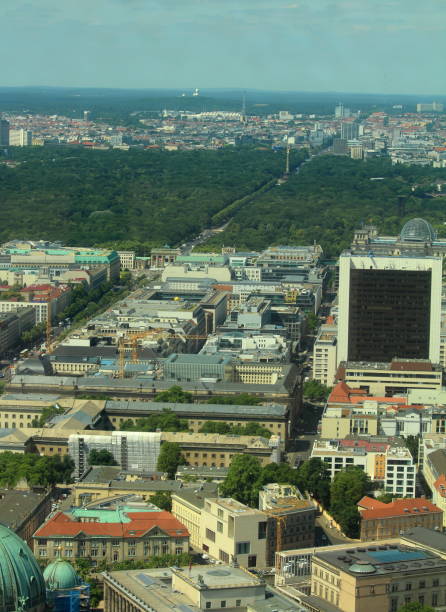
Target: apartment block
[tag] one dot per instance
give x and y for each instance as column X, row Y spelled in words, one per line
column 388, row 462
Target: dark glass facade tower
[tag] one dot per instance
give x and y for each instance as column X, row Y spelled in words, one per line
column 389, row 314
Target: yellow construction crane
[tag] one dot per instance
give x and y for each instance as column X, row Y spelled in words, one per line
column 280, row 526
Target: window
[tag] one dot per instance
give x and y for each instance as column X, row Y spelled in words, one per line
column 262, row 530
column 178, row 550
column 238, row 603
column 408, row 586
column 115, row 556
column 435, row 599
column 208, row 605
column 115, row 542
column 219, row 527
column 435, row 582
column 223, row 556
column 220, row 513
column 241, row 548
column 210, row 535
column 223, row 604
column 252, row 560
column 42, row 552
column 422, row 584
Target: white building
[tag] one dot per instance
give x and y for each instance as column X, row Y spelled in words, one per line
column 20, row 138
column 385, row 462
column 325, row 354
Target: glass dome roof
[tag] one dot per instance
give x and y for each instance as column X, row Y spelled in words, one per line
column 21, row 581
column 362, row 567
column 418, row 230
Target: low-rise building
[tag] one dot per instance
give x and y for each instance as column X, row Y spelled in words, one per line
column 24, row 509
column 380, row 521
column 375, row 575
column 197, row 588
column 111, row 532
column 13, row 324
column 187, row 507
column 394, row 378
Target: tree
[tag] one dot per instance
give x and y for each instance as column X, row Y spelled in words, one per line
column 242, row 399
column 412, row 443
column 46, row 415
column 243, row 472
column 315, row 478
column 415, row 606
column 162, row 421
column 250, row 429
column 101, row 457
column 170, row 458
column 312, row 322
column 316, row 391
column 175, row 394
column 162, row 499
column 348, row 487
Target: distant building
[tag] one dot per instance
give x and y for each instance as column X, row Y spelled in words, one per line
column 4, row 132
column 429, row 107
column 20, row 138
column 127, row 259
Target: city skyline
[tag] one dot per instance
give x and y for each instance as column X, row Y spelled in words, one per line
column 366, row 47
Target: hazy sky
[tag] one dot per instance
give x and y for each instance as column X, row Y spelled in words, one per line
column 380, row 46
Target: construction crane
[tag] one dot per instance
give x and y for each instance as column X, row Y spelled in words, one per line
column 130, row 341
column 280, row 520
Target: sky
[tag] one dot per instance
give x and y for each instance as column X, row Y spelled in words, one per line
column 364, row 46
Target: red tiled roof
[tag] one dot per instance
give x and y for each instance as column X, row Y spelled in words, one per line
column 62, row 524
column 440, row 485
column 369, row 446
column 398, row 507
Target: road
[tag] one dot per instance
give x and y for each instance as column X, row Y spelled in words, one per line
column 325, row 534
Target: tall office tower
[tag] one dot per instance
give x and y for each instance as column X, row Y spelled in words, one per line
column 389, row 306
column 349, row 131
column 341, row 111
column 4, row 132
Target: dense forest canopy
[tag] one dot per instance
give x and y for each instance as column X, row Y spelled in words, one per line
column 329, row 197
column 115, row 197
column 143, row 198
column 119, row 104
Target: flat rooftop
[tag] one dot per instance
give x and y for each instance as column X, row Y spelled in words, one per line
column 383, row 559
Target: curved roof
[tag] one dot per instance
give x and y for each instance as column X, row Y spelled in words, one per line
column 60, row 575
column 21, row 580
column 418, row 230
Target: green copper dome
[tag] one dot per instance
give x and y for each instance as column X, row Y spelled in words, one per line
column 21, row 582
column 60, row 575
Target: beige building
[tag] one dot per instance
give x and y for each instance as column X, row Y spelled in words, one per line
column 383, row 575
column 196, row 588
column 392, row 378
column 187, row 507
column 232, row 531
column 127, row 259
